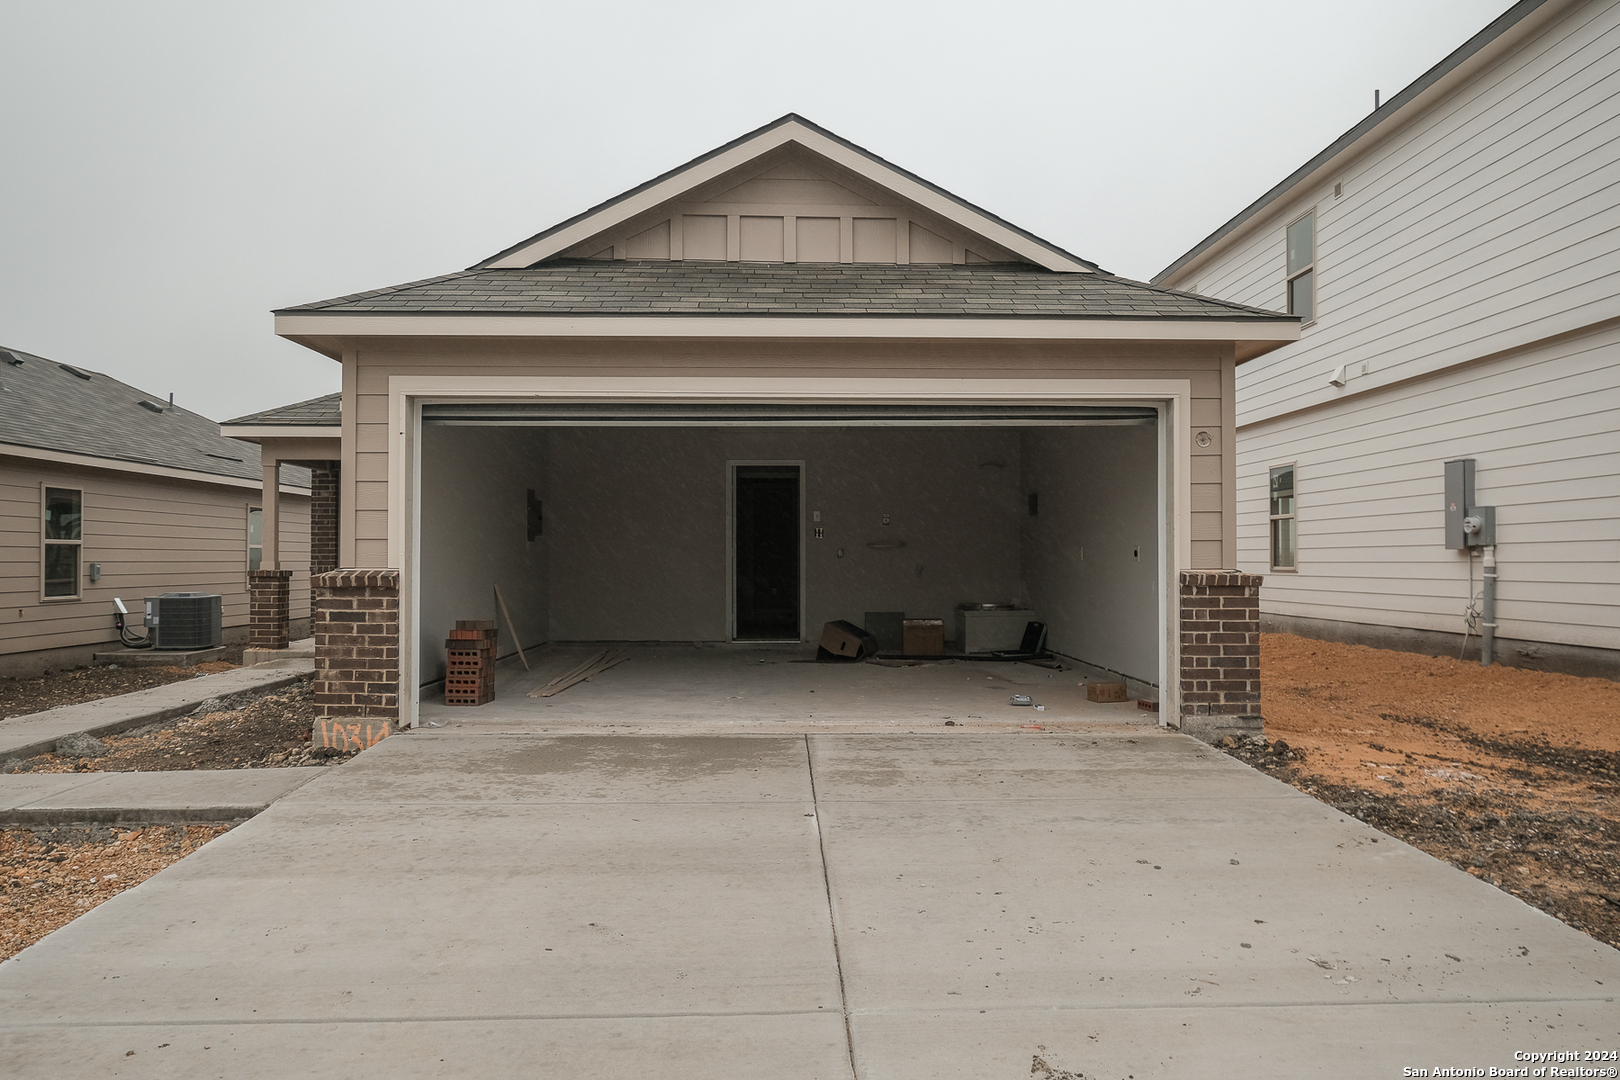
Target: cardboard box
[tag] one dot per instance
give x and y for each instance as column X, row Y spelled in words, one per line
column 889, row 629
column 924, row 637
column 844, row 639
column 1106, row 691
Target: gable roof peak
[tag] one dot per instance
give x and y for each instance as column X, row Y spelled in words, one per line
column 845, row 172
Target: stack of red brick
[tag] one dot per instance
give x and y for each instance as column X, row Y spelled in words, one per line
column 469, row 677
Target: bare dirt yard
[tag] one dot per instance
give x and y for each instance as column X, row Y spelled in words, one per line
column 32, row 694
column 245, row 731
column 49, row 876
column 1511, row 775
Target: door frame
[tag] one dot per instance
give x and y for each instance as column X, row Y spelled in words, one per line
column 732, row 465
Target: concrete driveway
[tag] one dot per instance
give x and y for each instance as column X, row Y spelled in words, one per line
column 1128, row 904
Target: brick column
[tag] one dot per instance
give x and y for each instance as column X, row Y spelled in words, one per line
column 356, row 625
column 1220, row 653
column 323, row 516
column 269, row 608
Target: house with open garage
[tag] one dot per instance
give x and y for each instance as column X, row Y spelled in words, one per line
column 109, row 493
column 783, row 384
column 1448, row 423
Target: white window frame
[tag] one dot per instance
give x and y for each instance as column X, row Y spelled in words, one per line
column 1273, row 518
column 46, row 542
column 1291, row 275
column 251, row 546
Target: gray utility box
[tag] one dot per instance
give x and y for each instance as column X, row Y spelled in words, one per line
column 1459, row 497
column 185, row 620
column 1467, row 525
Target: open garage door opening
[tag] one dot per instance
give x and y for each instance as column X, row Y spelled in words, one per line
column 725, row 527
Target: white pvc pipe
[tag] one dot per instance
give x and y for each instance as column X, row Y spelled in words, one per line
column 1487, row 621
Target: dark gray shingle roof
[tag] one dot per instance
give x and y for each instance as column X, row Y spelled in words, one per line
column 583, row 287
column 324, row 411
column 47, row 405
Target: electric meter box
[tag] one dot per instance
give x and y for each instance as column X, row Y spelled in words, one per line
column 1479, row 526
column 1459, row 497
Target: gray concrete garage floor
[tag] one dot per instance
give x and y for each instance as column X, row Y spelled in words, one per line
column 772, row 689
column 1129, row 905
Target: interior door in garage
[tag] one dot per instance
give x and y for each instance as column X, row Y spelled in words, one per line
column 765, row 552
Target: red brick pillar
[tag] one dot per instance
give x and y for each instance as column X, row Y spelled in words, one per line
column 269, row 608
column 1220, row 653
column 356, row 625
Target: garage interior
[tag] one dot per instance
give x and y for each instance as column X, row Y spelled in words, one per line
column 719, row 539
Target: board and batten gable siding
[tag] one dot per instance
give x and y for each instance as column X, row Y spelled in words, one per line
column 369, row 364
column 1541, row 426
column 1489, row 221
column 150, row 534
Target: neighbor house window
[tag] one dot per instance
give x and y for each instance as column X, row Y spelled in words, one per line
column 1282, row 518
column 1302, row 267
column 62, row 540
column 255, row 538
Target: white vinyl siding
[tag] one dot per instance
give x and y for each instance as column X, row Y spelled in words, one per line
column 1467, row 283
column 1544, row 428
column 1492, row 220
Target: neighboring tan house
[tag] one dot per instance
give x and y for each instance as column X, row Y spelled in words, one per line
column 1456, row 260
column 785, row 383
column 107, row 491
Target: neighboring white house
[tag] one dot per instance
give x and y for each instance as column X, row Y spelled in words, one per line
column 108, row 491
column 1456, row 257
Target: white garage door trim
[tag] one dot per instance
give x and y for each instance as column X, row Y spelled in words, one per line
column 408, row 393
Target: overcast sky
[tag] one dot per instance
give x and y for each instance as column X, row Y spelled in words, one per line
column 174, row 171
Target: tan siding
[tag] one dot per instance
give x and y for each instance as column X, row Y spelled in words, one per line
column 149, row 534
column 1206, row 555
column 1206, row 410
column 365, row 517
column 1206, row 497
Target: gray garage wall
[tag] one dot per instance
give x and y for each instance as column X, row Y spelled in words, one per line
column 1091, row 554
column 475, row 484
column 639, row 546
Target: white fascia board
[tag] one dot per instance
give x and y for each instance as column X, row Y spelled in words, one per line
column 796, row 390
column 86, row 461
column 255, row 432
column 863, row 166
column 1009, row 329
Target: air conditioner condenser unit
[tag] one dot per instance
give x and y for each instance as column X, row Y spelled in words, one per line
column 185, row 620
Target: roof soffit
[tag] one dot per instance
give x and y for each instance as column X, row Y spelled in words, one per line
column 820, row 159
